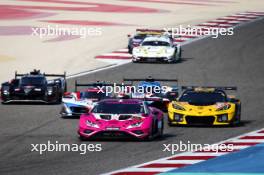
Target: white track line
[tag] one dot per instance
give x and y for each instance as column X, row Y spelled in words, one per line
column 193, row 156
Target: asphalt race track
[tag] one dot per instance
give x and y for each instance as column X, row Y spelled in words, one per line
column 236, row 60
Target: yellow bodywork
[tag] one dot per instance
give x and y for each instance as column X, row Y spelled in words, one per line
column 150, row 33
column 185, row 110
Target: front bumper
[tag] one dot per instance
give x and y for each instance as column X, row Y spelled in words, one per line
column 224, row 118
column 97, row 133
column 36, row 98
column 151, row 59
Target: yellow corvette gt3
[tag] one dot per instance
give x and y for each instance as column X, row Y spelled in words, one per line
column 204, row 106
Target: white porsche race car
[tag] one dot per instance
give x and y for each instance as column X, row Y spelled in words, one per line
column 157, row 49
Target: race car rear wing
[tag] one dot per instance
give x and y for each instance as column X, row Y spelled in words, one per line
column 158, row 31
column 154, row 31
column 98, row 84
column 55, row 75
column 150, row 30
column 150, row 79
column 225, row 88
column 149, row 99
column 37, row 72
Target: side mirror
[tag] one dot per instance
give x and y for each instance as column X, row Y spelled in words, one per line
column 128, row 35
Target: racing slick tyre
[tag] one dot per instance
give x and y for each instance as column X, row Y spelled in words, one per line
column 3, row 102
column 237, row 120
column 58, row 95
column 82, row 138
column 161, row 129
column 154, row 129
column 130, row 50
column 149, row 138
column 59, row 99
column 178, row 54
column 176, row 58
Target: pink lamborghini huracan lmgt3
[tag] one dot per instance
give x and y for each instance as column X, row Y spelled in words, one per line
column 121, row 118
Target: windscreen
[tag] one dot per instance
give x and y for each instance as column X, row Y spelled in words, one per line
column 150, row 87
column 202, row 98
column 92, row 95
column 118, row 108
column 32, row 81
column 155, row 43
column 140, row 36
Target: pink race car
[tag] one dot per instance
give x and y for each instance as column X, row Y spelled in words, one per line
column 121, row 118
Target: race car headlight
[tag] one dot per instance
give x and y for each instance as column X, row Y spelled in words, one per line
column 91, row 124
column 169, row 53
column 178, row 107
column 50, row 91
column 178, row 117
column 134, row 125
column 224, row 107
column 6, row 92
column 37, row 89
column 222, row 118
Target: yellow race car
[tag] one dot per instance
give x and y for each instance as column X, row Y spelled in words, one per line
column 204, row 106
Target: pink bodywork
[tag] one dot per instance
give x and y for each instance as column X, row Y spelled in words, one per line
column 116, row 126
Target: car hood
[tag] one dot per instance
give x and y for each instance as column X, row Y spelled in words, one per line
column 203, row 108
column 104, row 122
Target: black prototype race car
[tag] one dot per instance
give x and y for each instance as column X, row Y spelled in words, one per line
column 34, row 87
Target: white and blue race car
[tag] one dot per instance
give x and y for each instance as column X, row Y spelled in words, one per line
column 157, row 49
column 80, row 102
